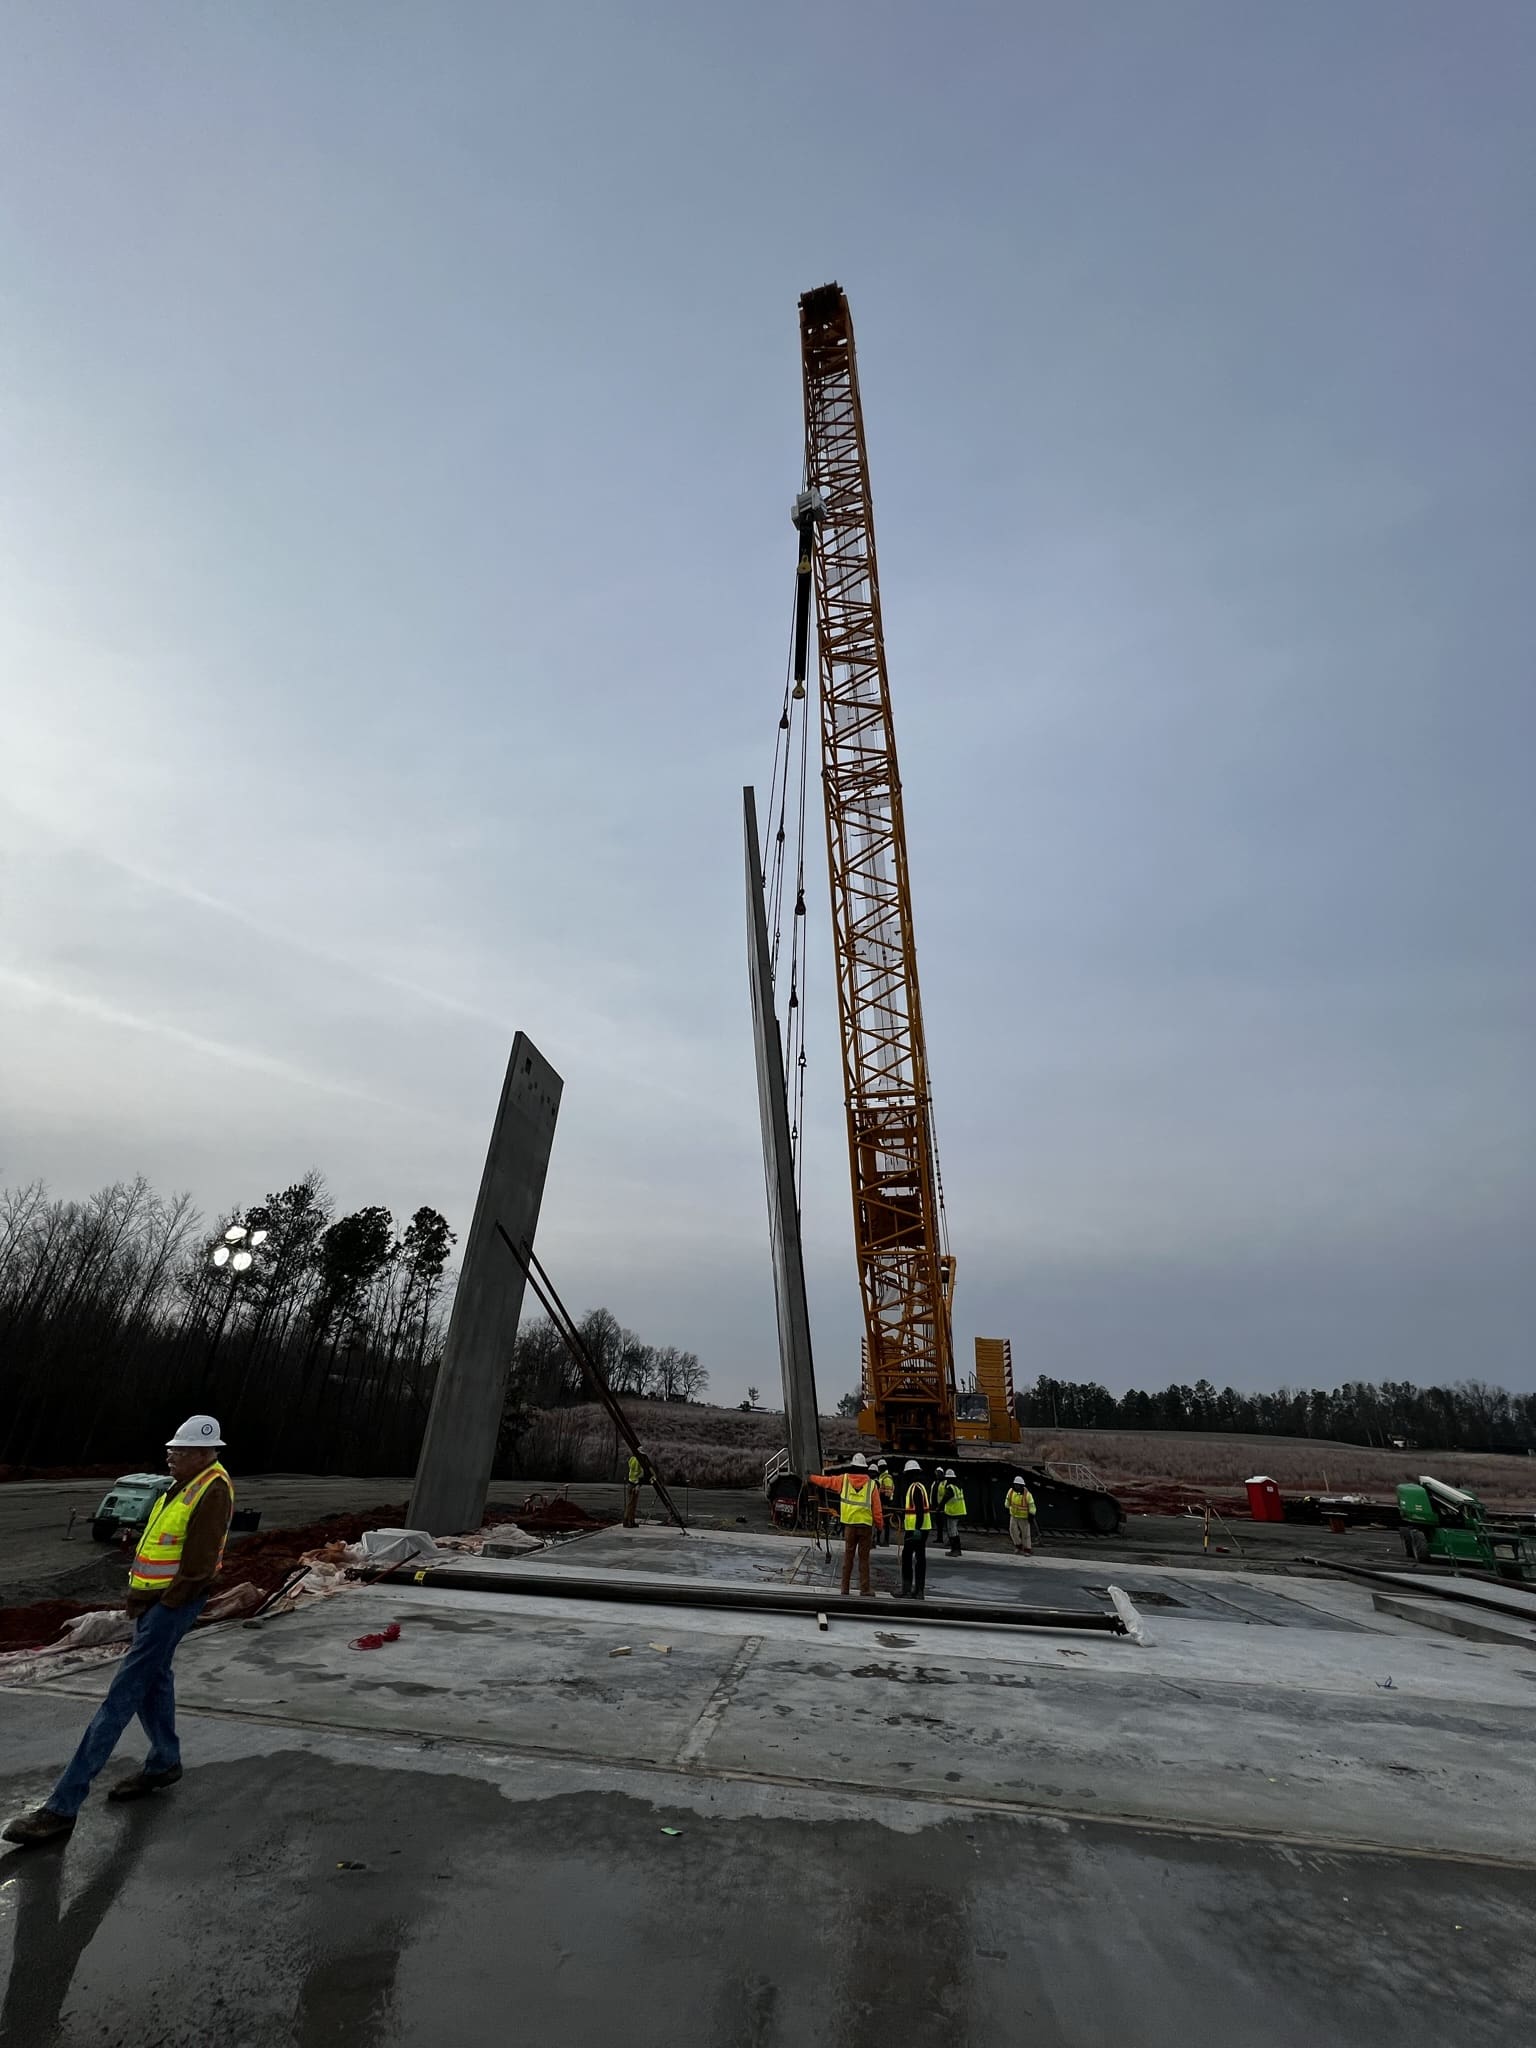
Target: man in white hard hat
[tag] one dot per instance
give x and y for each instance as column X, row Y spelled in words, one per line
column 861, row 1512
column 1021, row 1507
column 887, row 1486
column 916, row 1527
column 174, row 1566
column 953, row 1496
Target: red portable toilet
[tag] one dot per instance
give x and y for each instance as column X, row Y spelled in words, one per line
column 1264, row 1502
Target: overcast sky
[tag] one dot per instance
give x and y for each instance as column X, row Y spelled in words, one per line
column 400, row 420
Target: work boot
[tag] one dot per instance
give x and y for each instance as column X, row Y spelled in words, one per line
column 33, row 1829
column 144, row 1782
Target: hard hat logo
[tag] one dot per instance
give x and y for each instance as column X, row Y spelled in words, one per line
column 197, row 1433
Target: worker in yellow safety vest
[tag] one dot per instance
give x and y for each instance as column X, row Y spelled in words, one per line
column 1021, row 1509
column 916, row 1527
column 861, row 1511
column 954, row 1509
column 174, row 1566
column 887, row 1487
column 636, row 1472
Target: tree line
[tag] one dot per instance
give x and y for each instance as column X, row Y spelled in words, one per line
column 316, row 1341
column 1468, row 1415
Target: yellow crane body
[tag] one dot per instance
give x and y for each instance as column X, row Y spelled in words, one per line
column 906, row 1276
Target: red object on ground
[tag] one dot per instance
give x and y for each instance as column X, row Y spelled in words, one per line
column 377, row 1642
column 1264, row 1502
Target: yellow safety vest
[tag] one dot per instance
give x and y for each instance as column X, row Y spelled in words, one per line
column 954, row 1501
column 858, row 1503
column 887, row 1486
column 915, row 1516
column 158, row 1557
column 636, row 1470
column 1020, row 1505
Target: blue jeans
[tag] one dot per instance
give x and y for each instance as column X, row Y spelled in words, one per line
column 141, row 1686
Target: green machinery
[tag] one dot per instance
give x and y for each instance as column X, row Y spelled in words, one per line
column 1447, row 1522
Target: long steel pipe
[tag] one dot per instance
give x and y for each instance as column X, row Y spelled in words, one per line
column 622, row 1586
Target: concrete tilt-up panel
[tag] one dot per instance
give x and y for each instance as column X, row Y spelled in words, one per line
column 459, row 1448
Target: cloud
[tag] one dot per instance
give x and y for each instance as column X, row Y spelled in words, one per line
column 33, row 990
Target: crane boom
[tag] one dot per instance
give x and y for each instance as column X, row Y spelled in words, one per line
column 905, row 1273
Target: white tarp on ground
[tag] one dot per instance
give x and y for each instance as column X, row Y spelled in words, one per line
column 102, row 1635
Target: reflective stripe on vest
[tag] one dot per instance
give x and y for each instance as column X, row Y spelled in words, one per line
column 158, row 1557
column 954, row 1502
column 1020, row 1505
column 858, row 1502
column 916, row 1517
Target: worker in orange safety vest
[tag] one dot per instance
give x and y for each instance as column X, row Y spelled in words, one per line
column 861, row 1512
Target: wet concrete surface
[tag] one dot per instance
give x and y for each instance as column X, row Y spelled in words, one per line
column 1235, row 1832
column 991, row 1575
column 1290, row 1731
column 295, row 1897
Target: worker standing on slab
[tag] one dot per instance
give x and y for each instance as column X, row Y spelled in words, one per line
column 916, row 1527
column 174, row 1566
column 635, row 1476
column 861, row 1513
column 887, row 1487
column 954, row 1509
column 1021, row 1510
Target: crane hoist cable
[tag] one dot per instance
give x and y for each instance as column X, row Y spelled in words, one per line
column 787, row 808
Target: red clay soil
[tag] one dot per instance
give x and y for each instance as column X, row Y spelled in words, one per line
column 265, row 1561
column 24, row 1628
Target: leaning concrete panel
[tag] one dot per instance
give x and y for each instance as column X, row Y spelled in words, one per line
column 795, row 1366
column 460, row 1444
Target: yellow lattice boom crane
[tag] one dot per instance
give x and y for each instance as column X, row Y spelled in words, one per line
column 906, row 1271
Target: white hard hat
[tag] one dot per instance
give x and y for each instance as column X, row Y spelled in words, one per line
column 1018, row 1478
column 949, row 1471
column 911, row 1466
column 860, row 1460
column 197, row 1433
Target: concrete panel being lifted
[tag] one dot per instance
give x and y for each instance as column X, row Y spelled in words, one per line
column 460, row 1444
column 801, row 1420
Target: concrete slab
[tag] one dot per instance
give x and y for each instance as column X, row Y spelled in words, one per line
column 751, row 1558
column 323, row 1887
column 1304, row 1820
column 1473, row 1624
column 1191, row 1730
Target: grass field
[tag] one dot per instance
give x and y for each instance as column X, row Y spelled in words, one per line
column 1298, row 1464
column 703, row 1446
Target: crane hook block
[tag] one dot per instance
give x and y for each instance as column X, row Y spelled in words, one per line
column 807, row 508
